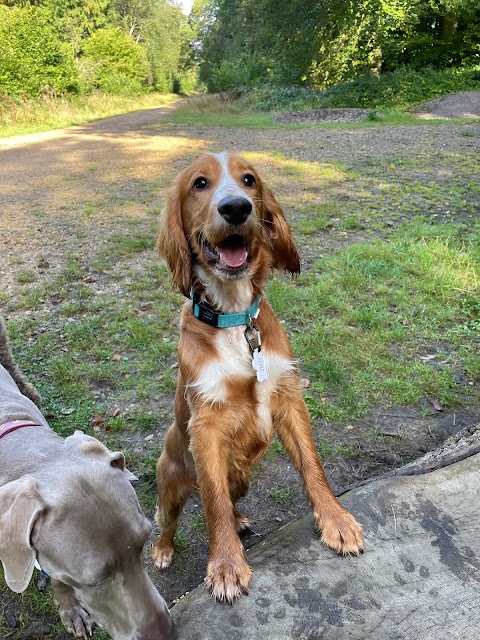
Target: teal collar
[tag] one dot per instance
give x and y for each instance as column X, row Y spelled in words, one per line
column 206, row 313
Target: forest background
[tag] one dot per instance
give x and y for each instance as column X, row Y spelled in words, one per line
column 314, row 53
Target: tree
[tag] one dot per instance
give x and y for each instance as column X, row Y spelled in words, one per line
column 33, row 59
column 120, row 64
column 320, row 43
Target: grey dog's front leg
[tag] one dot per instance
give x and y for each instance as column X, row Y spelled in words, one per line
column 74, row 618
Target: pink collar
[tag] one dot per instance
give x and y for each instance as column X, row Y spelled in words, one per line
column 8, row 427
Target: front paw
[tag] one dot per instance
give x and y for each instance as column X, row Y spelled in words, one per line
column 162, row 553
column 228, row 577
column 341, row 532
column 77, row 621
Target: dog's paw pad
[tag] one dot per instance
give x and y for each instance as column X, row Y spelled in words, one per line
column 162, row 556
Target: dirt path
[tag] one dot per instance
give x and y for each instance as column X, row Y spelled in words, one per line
column 67, row 193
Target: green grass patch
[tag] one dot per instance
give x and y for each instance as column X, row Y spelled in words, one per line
column 255, row 109
column 359, row 328
column 21, row 116
column 281, row 495
column 218, row 110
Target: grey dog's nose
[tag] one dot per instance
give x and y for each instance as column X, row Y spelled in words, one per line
column 235, row 209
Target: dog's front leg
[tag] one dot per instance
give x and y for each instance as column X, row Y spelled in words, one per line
column 211, row 430
column 339, row 529
column 74, row 617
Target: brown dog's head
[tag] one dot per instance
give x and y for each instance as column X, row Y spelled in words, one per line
column 221, row 217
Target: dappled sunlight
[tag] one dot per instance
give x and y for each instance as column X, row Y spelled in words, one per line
column 66, row 169
column 72, row 189
column 298, row 185
column 312, row 174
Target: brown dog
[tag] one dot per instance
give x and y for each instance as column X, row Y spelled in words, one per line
column 221, row 234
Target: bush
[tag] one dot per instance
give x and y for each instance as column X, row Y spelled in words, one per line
column 232, row 74
column 116, row 63
column 399, row 90
column 32, row 57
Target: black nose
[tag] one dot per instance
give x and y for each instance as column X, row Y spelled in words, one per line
column 234, row 209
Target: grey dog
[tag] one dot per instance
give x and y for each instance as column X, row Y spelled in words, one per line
column 68, row 504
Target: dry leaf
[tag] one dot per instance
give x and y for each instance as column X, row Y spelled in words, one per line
column 436, row 405
column 117, row 357
column 97, row 421
column 116, row 413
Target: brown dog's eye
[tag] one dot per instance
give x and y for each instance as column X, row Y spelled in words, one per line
column 200, row 183
column 249, row 180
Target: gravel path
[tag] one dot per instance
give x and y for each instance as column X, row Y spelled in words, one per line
column 51, row 173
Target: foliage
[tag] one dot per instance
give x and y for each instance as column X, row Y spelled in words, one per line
column 120, row 64
column 33, row 59
column 246, row 43
column 161, row 29
column 399, row 89
column 120, row 46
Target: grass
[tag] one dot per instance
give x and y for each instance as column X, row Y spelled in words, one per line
column 281, row 495
column 219, row 110
column 22, row 116
column 387, row 99
column 361, row 326
column 229, row 110
column 358, row 329
column 392, row 250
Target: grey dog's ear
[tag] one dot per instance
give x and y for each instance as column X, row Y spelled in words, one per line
column 20, row 506
column 89, row 444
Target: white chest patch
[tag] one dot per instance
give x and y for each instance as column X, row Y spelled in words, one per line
column 236, row 362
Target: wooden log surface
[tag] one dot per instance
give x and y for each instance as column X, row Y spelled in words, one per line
column 419, row 578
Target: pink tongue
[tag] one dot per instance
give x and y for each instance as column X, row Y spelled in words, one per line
column 233, row 257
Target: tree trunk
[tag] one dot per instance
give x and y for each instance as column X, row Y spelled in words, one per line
column 449, row 26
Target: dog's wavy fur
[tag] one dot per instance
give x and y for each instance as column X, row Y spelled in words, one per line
column 225, row 418
column 8, row 361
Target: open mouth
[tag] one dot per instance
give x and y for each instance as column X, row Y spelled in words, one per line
column 231, row 255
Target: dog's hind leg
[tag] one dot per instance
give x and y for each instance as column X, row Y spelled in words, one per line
column 239, row 491
column 339, row 529
column 8, row 361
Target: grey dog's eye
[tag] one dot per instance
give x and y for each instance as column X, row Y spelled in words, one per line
column 200, row 183
column 249, row 180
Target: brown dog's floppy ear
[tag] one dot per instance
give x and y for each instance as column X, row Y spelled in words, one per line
column 279, row 235
column 20, row 506
column 172, row 243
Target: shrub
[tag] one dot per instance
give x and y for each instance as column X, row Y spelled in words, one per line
column 32, row 57
column 119, row 64
column 399, row 90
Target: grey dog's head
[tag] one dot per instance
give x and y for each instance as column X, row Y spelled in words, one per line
column 88, row 532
